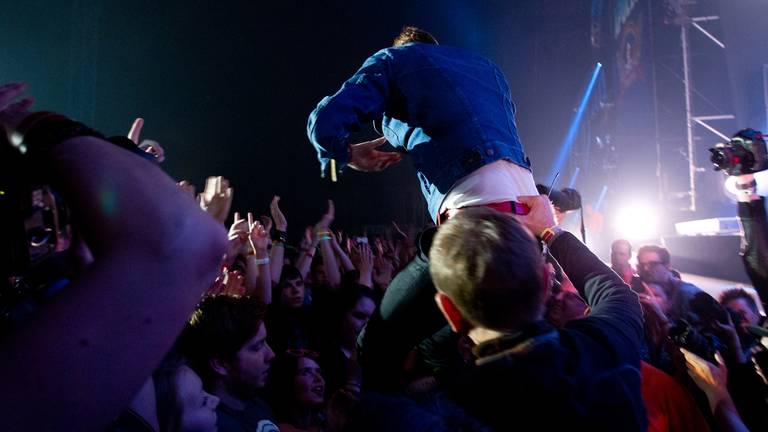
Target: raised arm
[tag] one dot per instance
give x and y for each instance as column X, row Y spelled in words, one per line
column 325, row 239
column 361, row 99
column 277, row 254
column 154, row 252
column 610, row 299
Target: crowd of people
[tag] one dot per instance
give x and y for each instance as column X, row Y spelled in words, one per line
column 128, row 306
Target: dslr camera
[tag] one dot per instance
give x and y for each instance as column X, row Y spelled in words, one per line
column 745, row 153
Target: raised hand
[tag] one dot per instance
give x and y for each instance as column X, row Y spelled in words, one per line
column 327, row 218
column 150, row 146
column 365, row 157
column 266, row 222
column 364, row 264
column 258, row 236
column 238, row 236
column 281, row 224
column 383, row 271
column 306, row 243
column 216, row 199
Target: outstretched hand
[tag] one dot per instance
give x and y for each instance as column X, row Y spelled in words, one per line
column 150, row 146
column 281, row 224
column 327, row 219
column 365, row 157
column 216, row 199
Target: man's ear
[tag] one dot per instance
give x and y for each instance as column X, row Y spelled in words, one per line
column 451, row 313
column 219, row 366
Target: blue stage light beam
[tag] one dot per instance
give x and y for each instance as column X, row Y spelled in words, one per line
column 574, row 176
column 565, row 147
column 601, row 198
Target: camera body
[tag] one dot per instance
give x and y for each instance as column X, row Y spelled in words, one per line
column 745, row 153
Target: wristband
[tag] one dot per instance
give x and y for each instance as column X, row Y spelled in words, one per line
column 325, row 237
column 259, row 261
column 549, row 234
column 279, row 236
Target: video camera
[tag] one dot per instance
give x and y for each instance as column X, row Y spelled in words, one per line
column 745, row 153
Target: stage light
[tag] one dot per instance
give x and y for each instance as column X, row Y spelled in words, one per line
column 636, row 221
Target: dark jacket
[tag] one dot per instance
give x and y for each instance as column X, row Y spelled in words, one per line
column 754, row 245
column 583, row 377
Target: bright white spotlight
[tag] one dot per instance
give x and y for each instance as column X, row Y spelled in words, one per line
column 636, row 222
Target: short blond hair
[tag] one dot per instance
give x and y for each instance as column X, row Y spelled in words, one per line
column 491, row 268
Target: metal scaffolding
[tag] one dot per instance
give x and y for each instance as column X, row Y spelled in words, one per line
column 686, row 23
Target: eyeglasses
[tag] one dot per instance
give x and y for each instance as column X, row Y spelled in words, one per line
column 302, row 352
column 649, row 264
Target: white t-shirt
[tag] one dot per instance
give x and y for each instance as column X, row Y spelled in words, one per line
column 496, row 182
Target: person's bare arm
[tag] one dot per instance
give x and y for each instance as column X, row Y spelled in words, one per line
column 277, row 255
column 85, row 355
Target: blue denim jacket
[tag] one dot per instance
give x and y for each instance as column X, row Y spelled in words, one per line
column 449, row 109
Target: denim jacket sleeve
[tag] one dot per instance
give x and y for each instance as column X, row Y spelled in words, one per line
column 361, row 99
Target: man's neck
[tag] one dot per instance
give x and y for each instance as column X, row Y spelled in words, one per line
column 219, row 390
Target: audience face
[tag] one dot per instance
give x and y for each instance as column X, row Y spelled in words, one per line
column 309, row 385
column 747, row 316
column 248, row 371
column 356, row 318
column 197, row 409
column 318, row 275
column 620, row 256
column 566, row 305
column 652, row 269
column 293, row 293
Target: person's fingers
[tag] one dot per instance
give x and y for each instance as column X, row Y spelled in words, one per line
column 11, row 91
column 21, row 105
column 331, row 208
column 210, row 188
column 719, row 359
column 135, row 131
column 250, row 219
column 237, row 217
column 532, row 200
column 217, row 185
column 370, row 145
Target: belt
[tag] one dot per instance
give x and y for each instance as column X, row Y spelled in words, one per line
column 513, row 207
